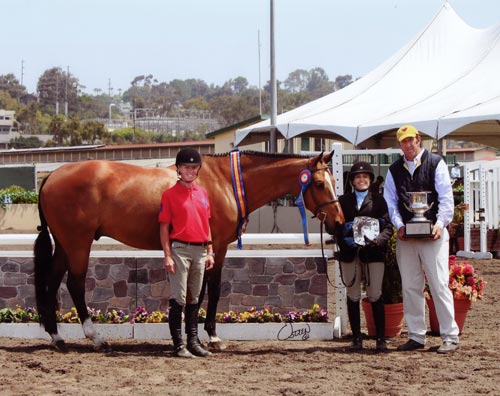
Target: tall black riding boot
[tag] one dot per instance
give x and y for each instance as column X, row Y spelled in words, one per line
column 175, row 325
column 354, row 320
column 193, row 343
column 379, row 319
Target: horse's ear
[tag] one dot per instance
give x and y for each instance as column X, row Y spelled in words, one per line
column 327, row 158
column 317, row 158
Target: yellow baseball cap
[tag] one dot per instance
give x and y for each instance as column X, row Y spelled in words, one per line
column 406, row 131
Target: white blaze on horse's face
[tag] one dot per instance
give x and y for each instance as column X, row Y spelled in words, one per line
column 329, row 183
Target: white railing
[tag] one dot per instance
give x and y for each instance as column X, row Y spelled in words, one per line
column 482, row 199
column 247, row 239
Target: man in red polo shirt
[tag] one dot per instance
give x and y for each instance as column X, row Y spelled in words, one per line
column 186, row 241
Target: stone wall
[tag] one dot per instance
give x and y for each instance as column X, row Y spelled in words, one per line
column 284, row 284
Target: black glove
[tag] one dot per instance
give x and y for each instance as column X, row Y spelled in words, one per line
column 370, row 242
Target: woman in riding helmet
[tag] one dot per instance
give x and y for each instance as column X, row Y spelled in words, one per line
column 187, row 243
column 362, row 246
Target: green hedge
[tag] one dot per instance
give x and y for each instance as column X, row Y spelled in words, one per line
column 17, row 195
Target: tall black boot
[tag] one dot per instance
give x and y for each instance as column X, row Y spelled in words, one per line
column 175, row 325
column 193, row 343
column 379, row 319
column 354, row 320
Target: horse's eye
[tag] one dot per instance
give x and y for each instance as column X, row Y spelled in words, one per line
column 319, row 184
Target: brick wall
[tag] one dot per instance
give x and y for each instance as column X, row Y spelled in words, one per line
column 284, row 284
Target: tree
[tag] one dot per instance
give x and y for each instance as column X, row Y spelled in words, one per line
column 342, row 81
column 297, row 80
column 319, row 84
column 56, row 86
column 56, row 129
column 10, row 84
column 91, row 131
column 22, row 142
column 233, row 109
column 31, row 119
column 7, row 102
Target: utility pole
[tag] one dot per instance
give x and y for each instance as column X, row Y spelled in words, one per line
column 274, row 106
column 66, row 95
column 22, row 77
column 260, row 87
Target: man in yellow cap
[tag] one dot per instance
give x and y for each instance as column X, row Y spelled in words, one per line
column 420, row 170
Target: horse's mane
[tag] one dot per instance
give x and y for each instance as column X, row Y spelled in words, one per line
column 262, row 154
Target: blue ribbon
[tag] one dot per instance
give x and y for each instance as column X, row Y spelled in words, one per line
column 239, row 193
column 304, row 181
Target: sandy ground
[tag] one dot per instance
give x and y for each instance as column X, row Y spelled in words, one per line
column 31, row 367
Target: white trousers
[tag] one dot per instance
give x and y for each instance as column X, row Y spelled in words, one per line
column 417, row 259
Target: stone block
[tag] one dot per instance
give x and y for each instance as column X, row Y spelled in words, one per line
column 160, row 289
column 318, row 285
column 225, row 289
column 261, row 279
column 244, row 288
column 253, row 301
column 8, row 292
column 260, row 290
column 102, row 294
column 10, row 267
column 27, row 267
column 256, row 267
column 14, row 279
column 303, row 301
column 285, row 279
column 139, row 276
column 90, row 284
column 119, row 272
column 157, row 275
column 101, row 271
column 120, row 288
column 302, row 285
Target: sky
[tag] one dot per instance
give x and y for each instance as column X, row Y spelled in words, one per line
column 109, row 42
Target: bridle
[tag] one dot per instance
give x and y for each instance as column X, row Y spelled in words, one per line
column 319, row 206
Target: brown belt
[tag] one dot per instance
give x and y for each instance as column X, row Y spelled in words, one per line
column 190, row 243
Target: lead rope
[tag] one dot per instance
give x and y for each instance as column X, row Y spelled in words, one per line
column 325, row 262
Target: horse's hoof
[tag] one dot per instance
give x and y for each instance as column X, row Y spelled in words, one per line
column 104, row 347
column 59, row 346
column 216, row 343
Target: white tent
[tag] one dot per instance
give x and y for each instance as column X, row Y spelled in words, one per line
column 446, row 82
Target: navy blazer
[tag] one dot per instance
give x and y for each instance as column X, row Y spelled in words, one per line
column 373, row 205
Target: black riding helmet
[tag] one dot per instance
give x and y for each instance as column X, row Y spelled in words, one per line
column 361, row 167
column 188, row 156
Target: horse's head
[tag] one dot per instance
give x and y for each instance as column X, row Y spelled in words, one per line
column 320, row 197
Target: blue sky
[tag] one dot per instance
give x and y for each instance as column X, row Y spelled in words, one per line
column 213, row 40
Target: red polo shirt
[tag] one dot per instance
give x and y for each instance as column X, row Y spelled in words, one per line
column 187, row 210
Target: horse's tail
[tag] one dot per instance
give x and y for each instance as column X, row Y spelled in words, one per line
column 43, row 261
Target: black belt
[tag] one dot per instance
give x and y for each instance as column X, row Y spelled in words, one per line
column 190, row 243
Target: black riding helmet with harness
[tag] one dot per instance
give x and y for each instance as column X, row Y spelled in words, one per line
column 187, row 156
column 361, row 167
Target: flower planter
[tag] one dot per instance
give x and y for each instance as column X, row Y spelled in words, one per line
column 67, row 331
column 462, row 306
column 393, row 318
column 160, row 331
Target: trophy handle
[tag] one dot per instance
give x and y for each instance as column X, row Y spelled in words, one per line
column 406, row 206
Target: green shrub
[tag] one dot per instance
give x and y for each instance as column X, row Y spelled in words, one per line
column 17, row 195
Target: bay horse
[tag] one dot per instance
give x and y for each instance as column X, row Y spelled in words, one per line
column 80, row 202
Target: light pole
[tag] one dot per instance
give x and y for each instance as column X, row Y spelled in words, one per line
column 110, row 106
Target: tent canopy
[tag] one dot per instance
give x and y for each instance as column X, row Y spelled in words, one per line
column 445, row 82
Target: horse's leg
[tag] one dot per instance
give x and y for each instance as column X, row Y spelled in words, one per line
column 77, row 274
column 213, row 281
column 53, row 282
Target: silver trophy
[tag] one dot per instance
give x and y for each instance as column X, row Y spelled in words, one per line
column 419, row 226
